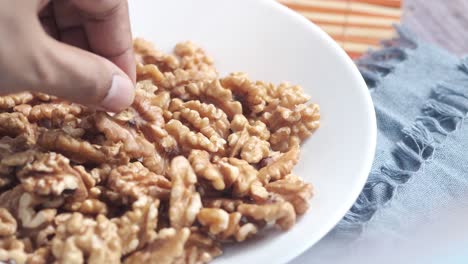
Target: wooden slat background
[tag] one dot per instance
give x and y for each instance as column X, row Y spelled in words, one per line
column 356, row 25
column 359, row 24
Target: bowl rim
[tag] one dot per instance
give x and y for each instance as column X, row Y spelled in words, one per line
column 369, row 152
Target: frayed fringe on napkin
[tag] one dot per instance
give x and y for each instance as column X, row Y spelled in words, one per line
column 442, row 114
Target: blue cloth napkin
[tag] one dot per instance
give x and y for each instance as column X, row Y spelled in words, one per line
column 420, row 172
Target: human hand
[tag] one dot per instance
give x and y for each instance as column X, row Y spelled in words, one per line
column 80, row 50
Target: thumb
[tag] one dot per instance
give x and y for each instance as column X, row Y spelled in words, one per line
column 82, row 77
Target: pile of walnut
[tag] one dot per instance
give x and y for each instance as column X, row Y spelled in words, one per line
column 196, row 162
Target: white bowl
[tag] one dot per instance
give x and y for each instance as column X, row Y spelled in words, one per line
column 273, row 43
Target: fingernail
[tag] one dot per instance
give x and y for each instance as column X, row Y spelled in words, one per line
column 120, row 95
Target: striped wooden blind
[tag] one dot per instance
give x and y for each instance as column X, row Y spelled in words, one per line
column 356, row 25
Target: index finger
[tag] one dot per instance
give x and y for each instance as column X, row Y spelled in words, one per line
column 107, row 27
